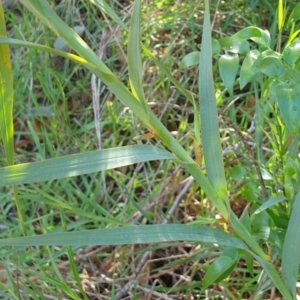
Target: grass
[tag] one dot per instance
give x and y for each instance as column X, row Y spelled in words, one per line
column 54, row 117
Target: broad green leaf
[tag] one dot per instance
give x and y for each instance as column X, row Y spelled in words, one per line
column 228, row 67
column 288, row 99
column 291, row 248
column 192, row 59
column 270, row 66
column 254, row 33
column 292, row 52
column 221, row 267
column 78, row 164
column 247, row 70
column 218, row 270
column 209, row 119
column 130, row 235
column 135, row 70
column 234, row 46
column 295, row 14
column 272, row 201
column 189, row 60
column 269, row 63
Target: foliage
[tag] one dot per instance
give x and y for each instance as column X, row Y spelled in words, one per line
column 273, row 74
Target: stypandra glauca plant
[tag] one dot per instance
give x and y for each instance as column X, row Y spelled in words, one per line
column 277, row 73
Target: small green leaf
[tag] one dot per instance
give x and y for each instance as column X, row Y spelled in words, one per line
column 272, row 201
column 271, row 67
column 295, row 14
column 269, row 63
column 220, row 268
column 192, row 59
column 292, row 52
column 234, row 46
column 228, row 67
column 288, row 99
column 291, row 249
column 247, row 71
column 254, row 33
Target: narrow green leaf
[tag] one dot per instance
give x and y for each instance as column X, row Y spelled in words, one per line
column 272, row 201
column 109, row 11
column 274, row 276
column 228, row 67
column 135, row 70
column 291, row 248
column 6, row 96
column 209, row 119
column 130, row 235
column 78, row 164
column 6, row 110
column 280, row 14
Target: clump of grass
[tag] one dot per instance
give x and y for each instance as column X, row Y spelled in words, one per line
column 55, row 118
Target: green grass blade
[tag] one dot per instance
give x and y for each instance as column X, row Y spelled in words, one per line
column 109, row 11
column 134, row 56
column 6, row 96
column 274, row 276
column 209, row 116
column 130, row 235
column 6, row 110
column 78, row 164
column 280, row 15
column 291, row 248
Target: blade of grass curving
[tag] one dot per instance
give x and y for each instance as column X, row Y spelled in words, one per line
column 135, row 70
column 211, row 137
column 78, row 164
column 291, row 248
column 211, row 144
column 6, row 110
column 131, row 235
